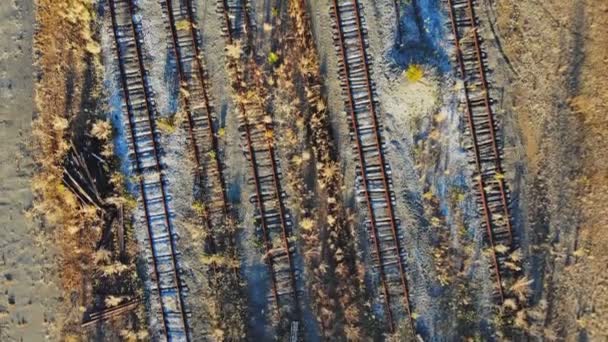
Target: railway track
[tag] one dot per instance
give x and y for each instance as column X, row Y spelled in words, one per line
column 257, row 135
column 374, row 185
column 144, row 154
column 201, row 119
column 492, row 192
column 237, row 22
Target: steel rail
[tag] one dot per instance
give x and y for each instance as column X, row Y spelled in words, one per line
column 382, row 161
column 155, row 149
column 208, row 110
column 278, row 192
column 256, row 181
column 350, row 100
column 476, row 149
column 275, row 178
column 190, row 120
column 248, row 27
column 490, row 116
column 227, row 21
column 258, row 194
column 201, row 76
column 142, row 70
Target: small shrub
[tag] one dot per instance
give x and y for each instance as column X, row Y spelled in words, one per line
column 521, row 288
column 307, row 224
column 93, row 47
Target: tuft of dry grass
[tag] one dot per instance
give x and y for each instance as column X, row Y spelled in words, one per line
column 521, row 288
column 101, row 130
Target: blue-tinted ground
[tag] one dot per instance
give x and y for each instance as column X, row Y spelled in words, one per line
column 420, row 37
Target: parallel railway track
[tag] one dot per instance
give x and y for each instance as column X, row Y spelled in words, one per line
column 374, row 185
column 257, row 134
column 492, row 195
column 145, row 156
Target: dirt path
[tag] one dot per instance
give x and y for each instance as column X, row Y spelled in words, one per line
column 27, row 265
column 558, row 99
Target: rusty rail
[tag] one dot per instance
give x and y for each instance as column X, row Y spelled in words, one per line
column 200, row 73
column 489, row 173
column 208, row 164
column 139, row 101
column 366, row 157
column 261, row 129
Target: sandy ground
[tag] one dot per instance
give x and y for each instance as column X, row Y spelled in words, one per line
column 558, row 101
column 29, row 296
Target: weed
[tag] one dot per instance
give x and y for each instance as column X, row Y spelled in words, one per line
column 166, row 125
column 273, row 58
column 183, row 25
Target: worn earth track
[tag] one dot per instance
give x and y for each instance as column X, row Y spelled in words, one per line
column 257, row 133
column 492, row 192
column 374, row 186
column 145, row 156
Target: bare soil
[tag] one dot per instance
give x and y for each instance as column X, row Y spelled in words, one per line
column 29, row 294
column 558, row 102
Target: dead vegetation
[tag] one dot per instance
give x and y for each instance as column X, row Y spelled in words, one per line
column 335, row 277
column 251, row 97
column 452, row 235
column 453, row 251
column 290, row 85
column 73, row 224
column 75, row 198
column 219, row 305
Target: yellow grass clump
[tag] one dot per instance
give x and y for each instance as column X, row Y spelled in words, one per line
column 182, row 25
column 101, row 130
column 414, row 73
column 166, row 125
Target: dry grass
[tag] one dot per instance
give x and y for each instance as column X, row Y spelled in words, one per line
column 101, row 130
column 68, row 63
column 166, row 125
column 333, row 273
column 61, row 40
